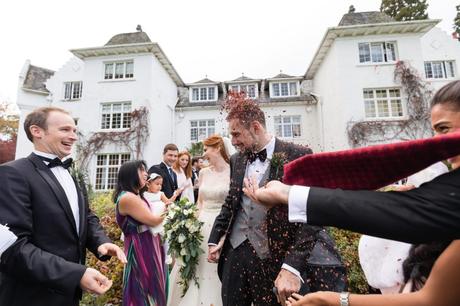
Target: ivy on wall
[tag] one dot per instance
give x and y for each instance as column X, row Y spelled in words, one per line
column 415, row 125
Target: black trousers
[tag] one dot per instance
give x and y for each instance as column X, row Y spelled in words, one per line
column 246, row 279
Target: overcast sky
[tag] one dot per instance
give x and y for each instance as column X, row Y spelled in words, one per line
column 220, row 39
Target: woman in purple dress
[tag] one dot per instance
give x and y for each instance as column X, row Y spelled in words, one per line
column 145, row 274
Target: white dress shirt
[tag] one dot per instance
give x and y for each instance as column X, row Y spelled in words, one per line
column 67, row 183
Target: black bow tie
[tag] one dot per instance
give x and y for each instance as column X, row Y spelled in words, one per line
column 262, row 156
column 57, row 162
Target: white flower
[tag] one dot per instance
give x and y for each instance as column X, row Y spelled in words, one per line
column 183, row 252
column 181, row 239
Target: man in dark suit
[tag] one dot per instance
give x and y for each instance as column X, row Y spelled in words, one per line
column 48, row 212
column 197, row 163
column 170, row 152
column 258, row 248
column 428, row 213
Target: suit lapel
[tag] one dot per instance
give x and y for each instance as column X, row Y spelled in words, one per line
column 239, row 173
column 276, row 174
column 55, row 186
column 81, row 206
column 165, row 169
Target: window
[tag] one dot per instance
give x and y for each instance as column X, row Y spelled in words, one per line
column 204, row 94
column 119, row 70
column 382, row 103
column 288, row 126
column 201, row 129
column 107, row 166
column 116, row 115
column 284, row 89
column 377, row 52
column 440, row 69
column 72, row 90
column 249, row 89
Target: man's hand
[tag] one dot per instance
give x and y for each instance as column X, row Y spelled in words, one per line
column 274, row 193
column 320, row 298
column 94, row 282
column 112, row 250
column 214, row 251
column 286, row 284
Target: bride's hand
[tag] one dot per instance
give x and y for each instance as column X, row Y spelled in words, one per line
column 214, row 251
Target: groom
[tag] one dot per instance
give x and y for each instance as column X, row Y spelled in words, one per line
column 257, row 248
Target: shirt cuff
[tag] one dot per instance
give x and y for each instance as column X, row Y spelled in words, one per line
column 298, row 196
column 292, row 270
column 212, row 244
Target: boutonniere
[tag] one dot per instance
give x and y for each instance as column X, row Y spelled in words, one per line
column 277, row 163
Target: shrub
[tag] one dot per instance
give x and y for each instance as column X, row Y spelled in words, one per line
column 103, row 206
column 347, row 244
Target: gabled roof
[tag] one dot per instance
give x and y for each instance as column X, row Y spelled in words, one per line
column 364, row 18
column 204, row 81
column 389, row 28
column 243, row 79
column 36, row 77
column 129, row 38
column 131, row 43
column 281, row 76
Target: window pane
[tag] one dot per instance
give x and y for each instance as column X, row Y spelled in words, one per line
column 113, row 159
column 364, row 53
column 112, row 177
column 296, row 119
column 234, row 88
column 116, row 107
column 194, row 134
column 396, row 108
column 368, row 94
column 203, row 94
column 211, row 93
column 101, row 174
column 450, row 69
column 377, row 52
column 129, row 70
column 195, row 96
column 381, row 93
column 67, row 90
column 119, row 67
column 211, row 123
column 127, row 120
column 125, row 158
column 116, row 121
column 101, row 160
column 202, row 133
column 394, row 92
column 284, row 89
column 76, row 92
column 279, row 130
column 276, row 89
column 287, row 119
column 428, row 71
column 293, row 89
column 211, row 131
column 382, row 108
column 296, row 130
column 369, row 109
column 105, row 121
column 287, row 131
column 390, row 52
column 202, row 123
column 127, row 107
column 252, row 91
column 108, row 71
column 277, row 119
column 193, row 123
column 437, row 70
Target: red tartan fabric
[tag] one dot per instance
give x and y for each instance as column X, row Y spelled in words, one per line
column 371, row 167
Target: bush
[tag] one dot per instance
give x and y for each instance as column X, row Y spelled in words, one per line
column 103, row 206
column 347, row 244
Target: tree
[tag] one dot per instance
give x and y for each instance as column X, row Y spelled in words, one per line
column 405, row 10
column 457, row 22
column 8, row 133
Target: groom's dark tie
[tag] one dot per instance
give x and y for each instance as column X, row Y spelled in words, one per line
column 371, row 167
column 262, row 156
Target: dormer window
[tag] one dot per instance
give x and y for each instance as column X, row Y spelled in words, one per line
column 249, row 89
column 203, row 94
column 72, row 91
column 377, row 52
column 284, row 89
column 119, row 70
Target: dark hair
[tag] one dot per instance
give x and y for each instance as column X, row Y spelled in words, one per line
column 239, row 106
column 170, row 147
column 128, row 178
column 196, row 159
column 418, row 264
column 38, row 117
column 448, row 94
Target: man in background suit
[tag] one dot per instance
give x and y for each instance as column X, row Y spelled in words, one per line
column 170, row 152
column 47, row 211
column 197, row 163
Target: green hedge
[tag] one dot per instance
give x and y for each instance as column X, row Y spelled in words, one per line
column 103, row 207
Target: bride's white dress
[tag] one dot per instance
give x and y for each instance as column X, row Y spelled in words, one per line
column 213, row 190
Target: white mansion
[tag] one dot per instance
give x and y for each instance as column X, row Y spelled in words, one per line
column 350, row 78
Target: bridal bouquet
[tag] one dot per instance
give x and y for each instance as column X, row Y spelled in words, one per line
column 183, row 233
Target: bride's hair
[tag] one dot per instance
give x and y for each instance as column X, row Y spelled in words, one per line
column 216, row 141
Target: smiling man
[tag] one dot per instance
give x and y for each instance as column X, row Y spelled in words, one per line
column 47, row 211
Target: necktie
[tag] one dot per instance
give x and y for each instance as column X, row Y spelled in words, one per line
column 173, row 175
column 262, row 156
column 57, row 162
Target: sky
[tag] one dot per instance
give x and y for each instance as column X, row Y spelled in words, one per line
column 213, row 38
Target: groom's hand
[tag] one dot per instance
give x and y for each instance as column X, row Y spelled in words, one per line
column 286, row 284
column 274, row 193
column 213, row 253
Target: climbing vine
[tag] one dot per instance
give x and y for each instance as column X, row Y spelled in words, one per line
column 415, row 125
column 133, row 139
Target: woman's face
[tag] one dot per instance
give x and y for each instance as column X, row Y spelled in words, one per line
column 210, row 153
column 446, row 119
column 142, row 177
column 183, row 161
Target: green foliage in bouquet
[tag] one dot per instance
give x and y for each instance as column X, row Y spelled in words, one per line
column 183, row 233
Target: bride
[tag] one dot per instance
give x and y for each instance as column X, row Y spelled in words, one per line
column 214, row 183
